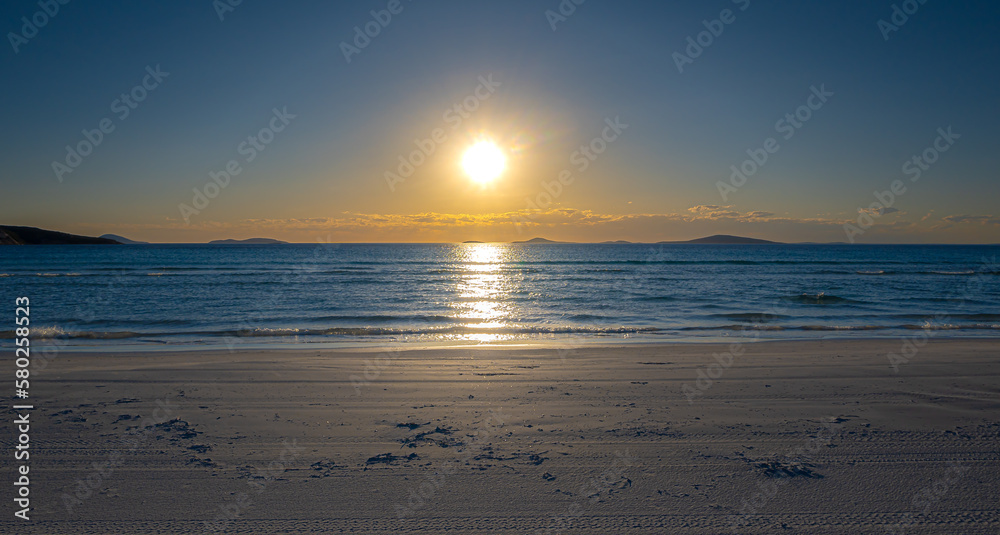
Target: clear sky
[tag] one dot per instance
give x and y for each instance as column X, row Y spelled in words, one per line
column 339, row 111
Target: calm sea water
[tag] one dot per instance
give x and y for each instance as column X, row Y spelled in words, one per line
column 201, row 295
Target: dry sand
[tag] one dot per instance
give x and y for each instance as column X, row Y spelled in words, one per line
column 793, row 437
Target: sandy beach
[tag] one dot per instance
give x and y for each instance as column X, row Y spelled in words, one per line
column 783, row 437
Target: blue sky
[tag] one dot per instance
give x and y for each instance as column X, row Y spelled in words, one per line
column 324, row 174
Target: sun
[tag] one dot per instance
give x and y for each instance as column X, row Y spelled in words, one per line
column 484, row 162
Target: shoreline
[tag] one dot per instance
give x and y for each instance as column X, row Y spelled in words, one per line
column 574, row 343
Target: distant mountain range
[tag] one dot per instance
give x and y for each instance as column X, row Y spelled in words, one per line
column 14, row 235
column 11, row 235
column 251, row 241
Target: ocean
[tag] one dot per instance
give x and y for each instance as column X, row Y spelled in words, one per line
column 210, row 296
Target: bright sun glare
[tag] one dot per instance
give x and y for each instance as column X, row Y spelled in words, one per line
column 484, row 161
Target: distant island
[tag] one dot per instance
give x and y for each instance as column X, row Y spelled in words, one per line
column 725, row 239
column 122, row 239
column 539, row 240
column 250, row 241
column 11, row 235
column 472, row 241
column 615, row 242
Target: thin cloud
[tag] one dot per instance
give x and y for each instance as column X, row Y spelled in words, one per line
column 878, row 212
column 981, row 219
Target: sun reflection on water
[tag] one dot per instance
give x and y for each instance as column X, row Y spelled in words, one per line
column 483, row 292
